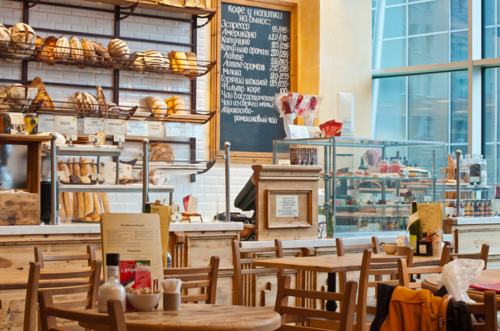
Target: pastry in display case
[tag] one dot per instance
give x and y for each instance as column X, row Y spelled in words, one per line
column 370, row 184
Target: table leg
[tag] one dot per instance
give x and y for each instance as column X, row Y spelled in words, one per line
column 332, row 287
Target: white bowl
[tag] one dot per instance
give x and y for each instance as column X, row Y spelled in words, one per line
column 144, row 302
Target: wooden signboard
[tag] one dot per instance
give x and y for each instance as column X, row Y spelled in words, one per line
column 136, row 237
column 256, row 59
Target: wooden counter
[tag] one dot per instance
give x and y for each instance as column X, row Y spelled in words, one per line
column 190, row 245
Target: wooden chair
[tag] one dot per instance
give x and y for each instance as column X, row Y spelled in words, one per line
column 78, row 284
column 246, row 274
column 378, row 267
column 313, row 319
column 42, row 257
column 482, row 255
column 202, row 278
column 113, row 321
column 488, row 310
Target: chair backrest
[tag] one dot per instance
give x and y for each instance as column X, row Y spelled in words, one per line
column 245, row 272
column 74, row 289
column 204, row 279
column 113, row 321
column 42, row 257
column 343, row 249
column 372, row 266
column 488, row 310
column 289, row 314
column 482, row 255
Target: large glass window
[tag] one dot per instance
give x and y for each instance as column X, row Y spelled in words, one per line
column 428, row 106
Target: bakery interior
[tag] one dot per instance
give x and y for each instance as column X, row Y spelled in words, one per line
column 238, row 130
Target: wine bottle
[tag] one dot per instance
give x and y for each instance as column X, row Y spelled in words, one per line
column 414, row 228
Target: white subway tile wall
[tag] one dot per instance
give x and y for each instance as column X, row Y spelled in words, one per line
column 209, row 188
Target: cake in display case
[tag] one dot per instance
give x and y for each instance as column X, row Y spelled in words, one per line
column 369, row 184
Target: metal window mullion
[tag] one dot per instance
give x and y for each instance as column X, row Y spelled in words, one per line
column 377, row 54
column 474, row 75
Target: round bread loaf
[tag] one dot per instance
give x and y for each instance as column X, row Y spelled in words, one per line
column 155, row 60
column 138, row 62
column 155, row 105
column 118, row 49
column 4, row 37
column 76, row 50
column 23, row 36
column 85, row 102
column 61, row 51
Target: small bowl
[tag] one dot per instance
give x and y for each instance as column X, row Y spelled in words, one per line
column 144, row 302
column 390, row 248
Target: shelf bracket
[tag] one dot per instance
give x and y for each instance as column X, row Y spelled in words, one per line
column 32, row 3
column 129, row 10
column 207, row 17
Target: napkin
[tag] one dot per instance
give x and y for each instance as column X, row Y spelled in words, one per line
column 172, row 285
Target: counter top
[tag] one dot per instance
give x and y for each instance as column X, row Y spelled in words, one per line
column 474, row 220
column 81, row 228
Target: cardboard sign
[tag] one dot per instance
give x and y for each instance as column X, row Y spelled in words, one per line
column 92, row 125
column 137, row 128
column 115, row 127
column 46, row 123
column 67, row 126
column 156, row 129
column 109, row 172
column 137, row 238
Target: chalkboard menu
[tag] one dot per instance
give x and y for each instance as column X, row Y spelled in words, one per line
column 254, row 66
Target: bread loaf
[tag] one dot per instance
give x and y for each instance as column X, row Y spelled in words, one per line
column 89, row 53
column 97, row 204
column 138, row 63
column 178, row 61
column 154, row 60
column 76, row 50
column 85, row 103
column 161, row 152
column 101, row 100
column 4, row 37
column 104, row 200
column 118, row 49
column 61, row 49
column 62, row 210
column 196, row 3
column 46, row 52
column 102, row 53
column 155, row 105
column 68, row 204
column 89, row 203
column 42, row 99
column 176, row 104
column 192, row 64
column 22, row 36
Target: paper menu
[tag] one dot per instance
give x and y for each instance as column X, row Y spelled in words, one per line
column 136, row 237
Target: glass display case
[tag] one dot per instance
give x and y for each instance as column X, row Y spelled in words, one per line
column 369, row 184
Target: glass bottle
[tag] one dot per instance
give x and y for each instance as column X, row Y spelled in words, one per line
column 414, row 228
column 111, row 289
column 383, row 166
column 484, row 171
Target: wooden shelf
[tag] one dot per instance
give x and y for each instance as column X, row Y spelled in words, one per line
column 17, row 139
column 160, row 7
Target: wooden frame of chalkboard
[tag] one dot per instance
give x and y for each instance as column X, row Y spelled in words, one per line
column 251, row 126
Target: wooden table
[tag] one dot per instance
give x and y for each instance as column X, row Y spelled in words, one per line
column 333, row 264
column 193, row 317
column 486, row 276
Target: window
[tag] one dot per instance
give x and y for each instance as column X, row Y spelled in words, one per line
column 413, row 38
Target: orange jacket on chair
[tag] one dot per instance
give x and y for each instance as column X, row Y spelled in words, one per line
column 415, row 310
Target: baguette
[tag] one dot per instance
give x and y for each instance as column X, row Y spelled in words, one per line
column 97, row 204
column 105, row 202
column 89, row 203
column 80, row 206
column 62, row 206
column 68, row 205
column 83, row 168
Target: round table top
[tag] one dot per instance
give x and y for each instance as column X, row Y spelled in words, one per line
column 192, row 317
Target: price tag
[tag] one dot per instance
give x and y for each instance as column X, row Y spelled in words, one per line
column 137, row 128
column 46, row 123
column 156, row 129
column 92, row 125
column 115, row 127
column 66, row 125
column 109, row 172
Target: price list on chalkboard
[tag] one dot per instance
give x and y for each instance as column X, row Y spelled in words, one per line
column 255, row 66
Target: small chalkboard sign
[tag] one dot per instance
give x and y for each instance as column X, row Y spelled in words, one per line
column 256, row 59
